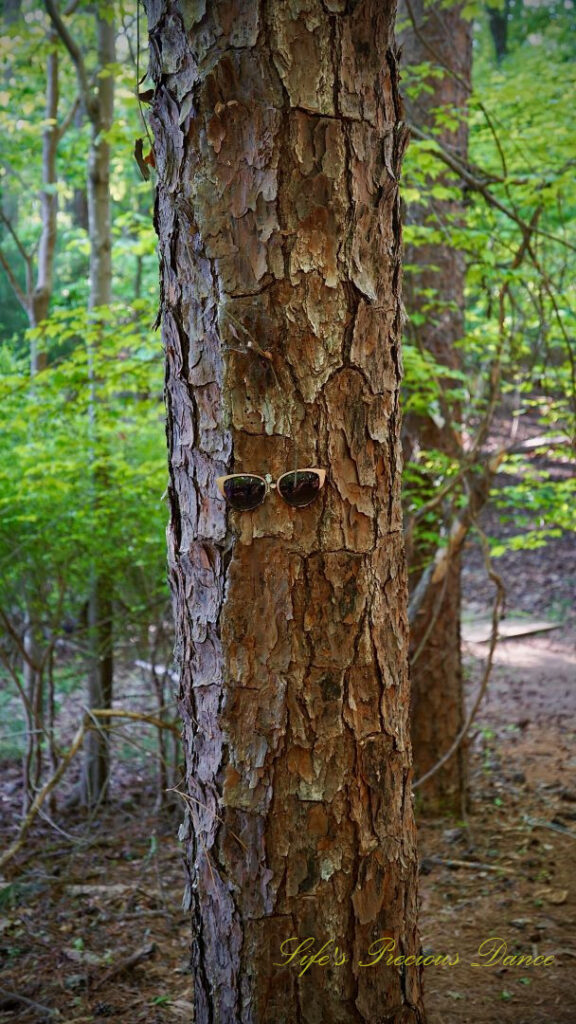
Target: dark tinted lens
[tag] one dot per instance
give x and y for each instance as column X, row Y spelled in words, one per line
column 299, row 488
column 244, row 492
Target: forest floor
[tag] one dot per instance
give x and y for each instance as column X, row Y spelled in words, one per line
column 504, row 876
column 91, row 924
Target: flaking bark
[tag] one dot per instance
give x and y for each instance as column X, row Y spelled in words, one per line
column 278, row 146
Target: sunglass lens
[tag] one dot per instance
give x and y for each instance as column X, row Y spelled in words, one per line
column 299, row 488
column 244, row 492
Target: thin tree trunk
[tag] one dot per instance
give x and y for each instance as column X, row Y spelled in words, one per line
column 96, row 769
column 498, row 18
column 33, row 688
column 10, row 14
column 439, row 35
column 278, row 148
column 37, row 304
column 99, row 107
column 99, row 213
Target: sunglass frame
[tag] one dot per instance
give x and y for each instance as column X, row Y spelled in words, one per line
column 272, row 485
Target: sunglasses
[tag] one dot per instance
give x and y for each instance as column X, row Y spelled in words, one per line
column 245, row 491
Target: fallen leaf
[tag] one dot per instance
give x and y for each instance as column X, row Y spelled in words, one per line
column 555, row 896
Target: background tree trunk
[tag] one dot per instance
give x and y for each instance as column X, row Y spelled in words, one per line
column 96, row 769
column 498, row 18
column 35, row 300
column 278, row 148
column 439, row 35
column 99, row 106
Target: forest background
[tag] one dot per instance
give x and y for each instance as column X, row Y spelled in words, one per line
column 84, row 605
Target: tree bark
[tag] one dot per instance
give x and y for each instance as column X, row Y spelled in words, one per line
column 439, row 35
column 278, row 147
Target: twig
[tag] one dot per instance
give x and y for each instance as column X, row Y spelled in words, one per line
column 22, row 298
column 473, row 865
column 496, row 610
column 76, row 55
column 137, row 716
column 437, row 607
column 11, row 230
column 252, row 345
column 28, row 1002
column 68, row 119
column 190, row 800
column 534, row 823
column 40, row 797
column 88, row 722
column 474, row 183
column 126, row 964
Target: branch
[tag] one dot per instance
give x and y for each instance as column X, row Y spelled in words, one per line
column 40, row 797
column 496, row 614
column 68, row 119
column 139, row 717
column 477, row 185
column 7, row 997
column 126, row 964
column 473, row 865
column 75, row 53
column 14, row 283
column 86, row 724
column 9, row 227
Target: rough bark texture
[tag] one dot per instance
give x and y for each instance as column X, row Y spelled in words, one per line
column 439, row 35
column 278, row 148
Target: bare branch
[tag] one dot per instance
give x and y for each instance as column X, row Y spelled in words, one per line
column 75, row 53
column 496, row 614
column 8, row 996
column 89, row 721
column 478, row 185
column 126, row 964
column 10, row 228
column 22, row 299
column 435, row 572
column 68, row 119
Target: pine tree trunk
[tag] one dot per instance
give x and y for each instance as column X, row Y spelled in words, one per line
column 438, row 34
column 278, row 148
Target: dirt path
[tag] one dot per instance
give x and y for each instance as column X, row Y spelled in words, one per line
column 520, row 898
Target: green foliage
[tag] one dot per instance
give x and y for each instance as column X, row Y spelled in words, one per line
column 83, row 473
column 82, row 462
column 514, row 226
column 24, row 48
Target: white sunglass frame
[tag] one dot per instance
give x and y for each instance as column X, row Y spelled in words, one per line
column 272, row 485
